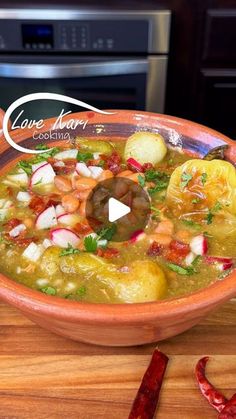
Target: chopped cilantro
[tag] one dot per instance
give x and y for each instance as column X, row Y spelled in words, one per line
column 217, row 207
column 26, row 166
column 69, row 251
column 196, row 200
column 108, row 232
column 41, row 147
column 191, row 223
column 84, row 156
column 160, row 185
column 185, row 179
column 196, row 261
column 141, row 181
column 81, row 291
column 189, row 270
column 204, row 178
column 90, row 244
column 48, row 290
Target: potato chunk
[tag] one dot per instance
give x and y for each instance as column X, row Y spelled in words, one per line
column 145, row 147
column 198, row 185
column 144, row 282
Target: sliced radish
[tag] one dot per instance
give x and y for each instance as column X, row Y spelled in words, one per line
column 63, row 237
column 218, row 259
column 43, row 175
column 17, row 230
column 198, row 245
column 46, row 218
column 59, row 210
column 137, row 236
column 47, row 243
column 68, row 219
column 225, row 266
column 135, row 165
column 66, row 154
column 18, row 179
column 222, row 263
column 190, row 258
column 33, row 252
column 23, row 196
column 96, row 171
column 38, row 165
column 83, row 170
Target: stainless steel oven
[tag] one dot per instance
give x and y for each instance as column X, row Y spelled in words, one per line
column 109, row 59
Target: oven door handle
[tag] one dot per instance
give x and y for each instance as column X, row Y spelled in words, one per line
column 75, row 70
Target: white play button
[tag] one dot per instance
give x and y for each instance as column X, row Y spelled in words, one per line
column 116, row 210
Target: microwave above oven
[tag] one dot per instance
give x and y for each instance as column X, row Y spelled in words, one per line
column 110, row 59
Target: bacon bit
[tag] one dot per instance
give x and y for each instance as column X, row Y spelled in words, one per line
column 145, row 403
column 10, row 191
column 113, row 162
column 108, row 253
column 12, row 223
column 37, row 204
column 94, row 162
column 177, row 251
column 94, row 222
column 155, row 249
column 147, row 166
column 21, row 241
column 67, row 169
column 82, row 228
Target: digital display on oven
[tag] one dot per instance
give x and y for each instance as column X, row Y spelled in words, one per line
column 37, row 37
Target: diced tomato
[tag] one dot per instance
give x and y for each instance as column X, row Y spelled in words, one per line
column 37, row 204
column 177, row 251
column 155, row 249
column 108, row 253
column 10, row 224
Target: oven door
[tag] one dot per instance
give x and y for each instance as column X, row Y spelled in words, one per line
column 106, row 83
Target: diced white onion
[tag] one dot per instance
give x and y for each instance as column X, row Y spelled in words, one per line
column 23, row 196
column 66, row 154
column 83, row 170
column 33, row 252
column 47, row 243
column 17, row 230
column 96, row 171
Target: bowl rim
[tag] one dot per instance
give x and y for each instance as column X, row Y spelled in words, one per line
column 29, row 300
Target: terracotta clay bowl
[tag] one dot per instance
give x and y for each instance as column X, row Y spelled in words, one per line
column 123, row 324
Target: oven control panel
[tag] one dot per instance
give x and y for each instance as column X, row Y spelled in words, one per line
column 97, row 36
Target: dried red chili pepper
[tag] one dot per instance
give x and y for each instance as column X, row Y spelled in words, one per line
column 229, row 411
column 146, row 400
column 214, row 397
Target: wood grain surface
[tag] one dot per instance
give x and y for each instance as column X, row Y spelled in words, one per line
column 46, row 376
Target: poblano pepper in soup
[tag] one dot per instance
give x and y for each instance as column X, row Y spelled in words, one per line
column 47, row 239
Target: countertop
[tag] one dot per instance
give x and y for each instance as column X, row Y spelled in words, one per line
column 46, row 376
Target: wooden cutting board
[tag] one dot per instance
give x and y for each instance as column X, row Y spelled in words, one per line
column 46, row 376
